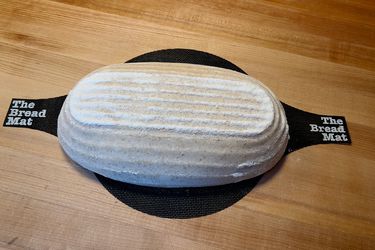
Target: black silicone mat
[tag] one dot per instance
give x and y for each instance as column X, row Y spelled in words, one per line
column 180, row 202
column 305, row 129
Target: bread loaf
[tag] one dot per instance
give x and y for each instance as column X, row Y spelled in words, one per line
column 172, row 125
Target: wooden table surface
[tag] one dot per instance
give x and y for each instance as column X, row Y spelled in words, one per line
column 315, row 55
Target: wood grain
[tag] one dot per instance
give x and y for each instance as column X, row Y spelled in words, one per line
column 315, row 55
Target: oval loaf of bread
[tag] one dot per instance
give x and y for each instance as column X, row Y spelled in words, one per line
column 172, row 125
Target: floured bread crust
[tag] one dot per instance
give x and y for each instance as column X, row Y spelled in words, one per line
column 172, row 125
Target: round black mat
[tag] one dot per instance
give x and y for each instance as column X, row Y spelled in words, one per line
column 180, row 203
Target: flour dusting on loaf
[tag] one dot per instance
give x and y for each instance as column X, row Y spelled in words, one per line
column 172, row 125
